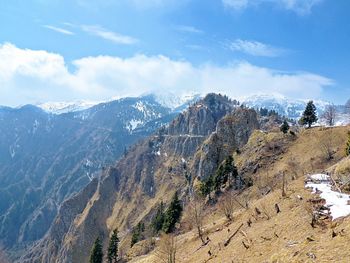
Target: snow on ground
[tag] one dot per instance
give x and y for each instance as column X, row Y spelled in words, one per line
column 321, row 177
column 337, row 202
column 133, row 124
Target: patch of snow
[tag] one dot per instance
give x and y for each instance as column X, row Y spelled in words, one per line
column 90, row 177
column 158, row 153
column 88, row 163
column 320, row 177
column 133, row 124
column 140, row 106
column 337, row 202
column 35, row 126
column 12, row 152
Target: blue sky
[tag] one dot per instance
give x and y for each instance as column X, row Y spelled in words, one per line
column 54, row 50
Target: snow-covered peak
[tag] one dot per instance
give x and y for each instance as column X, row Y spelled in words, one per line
column 64, row 107
column 173, row 101
column 291, row 108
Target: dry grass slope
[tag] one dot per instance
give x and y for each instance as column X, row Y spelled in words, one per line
column 268, row 236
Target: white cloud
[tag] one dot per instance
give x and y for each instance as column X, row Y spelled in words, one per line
column 188, row 29
column 109, row 35
column 236, row 4
column 256, row 48
column 301, row 7
column 59, row 30
column 28, row 76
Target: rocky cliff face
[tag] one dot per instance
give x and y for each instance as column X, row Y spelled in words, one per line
column 232, row 132
column 150, row 172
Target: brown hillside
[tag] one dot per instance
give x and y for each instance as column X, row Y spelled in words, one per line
column 275, row 237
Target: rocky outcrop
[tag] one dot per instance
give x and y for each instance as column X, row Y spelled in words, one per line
column 201, row 118
column 232, row 132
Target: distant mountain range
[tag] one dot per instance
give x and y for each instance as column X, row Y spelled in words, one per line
column 291, row 108
column 169, row 100
column 48, row 156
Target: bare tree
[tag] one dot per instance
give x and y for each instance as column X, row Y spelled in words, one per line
column 326, row 143
column 347, row 106
column 284, row 184
column 330, row 114
column 196, row 213
column 227, row 205
column 166, row 252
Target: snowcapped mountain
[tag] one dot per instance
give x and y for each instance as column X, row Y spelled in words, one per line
column 64, row 107
column 168, row 100
column 291, row 108
column 175, row 102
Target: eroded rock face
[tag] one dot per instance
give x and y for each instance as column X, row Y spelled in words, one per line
column 232, row 132
column 151, row 171
column 201, row 118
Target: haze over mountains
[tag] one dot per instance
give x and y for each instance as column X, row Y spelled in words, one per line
column 46, row 158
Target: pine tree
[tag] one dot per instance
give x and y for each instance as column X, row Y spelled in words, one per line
column 206, row 186
column 172, row 214
column 226, row 172
column 347, row 152
column 158, row 220
column 309, row 115
column 284, row 127
column 113, row 247
column 230, row 170
column 137, row 233
column 220, row 178
column 96, row 254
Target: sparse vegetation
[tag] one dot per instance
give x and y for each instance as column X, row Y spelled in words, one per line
column 326, row 143
column 167, row 249
column 347, row 150
column 309, row 115
column 96, row 255
column 195, row 212
column 227, row 205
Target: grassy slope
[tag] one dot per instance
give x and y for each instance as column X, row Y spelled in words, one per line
column 284, row 237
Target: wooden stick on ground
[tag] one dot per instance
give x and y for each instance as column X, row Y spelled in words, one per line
column 335, row 184
column 229, row 239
